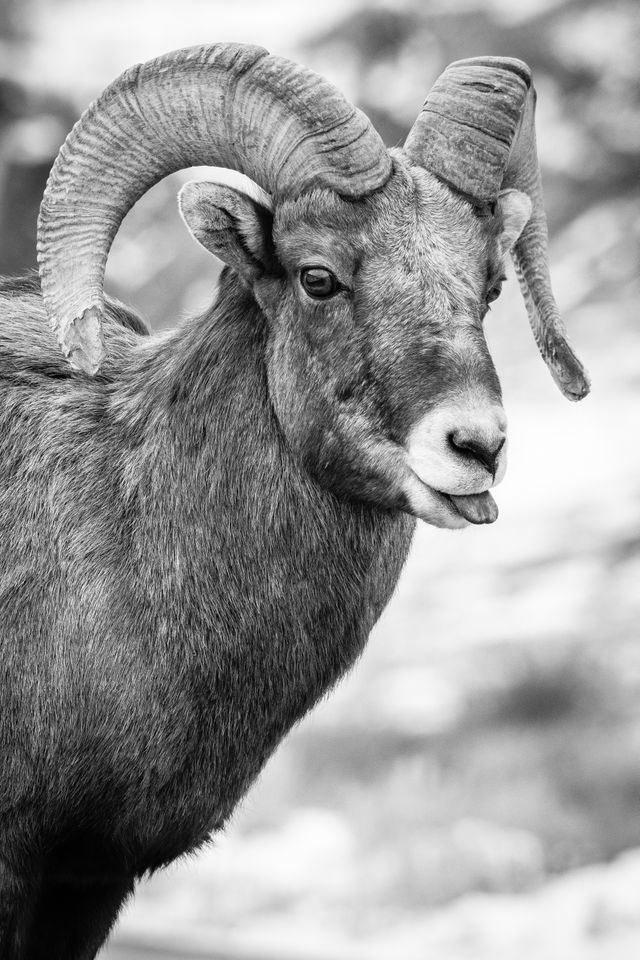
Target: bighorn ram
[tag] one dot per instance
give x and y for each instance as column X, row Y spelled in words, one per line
column 200, row 529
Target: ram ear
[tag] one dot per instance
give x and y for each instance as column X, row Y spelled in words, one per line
column 234, row 226
column 515, row 210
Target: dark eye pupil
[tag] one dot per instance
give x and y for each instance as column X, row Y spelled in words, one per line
column 493, row 294
column 318, row 282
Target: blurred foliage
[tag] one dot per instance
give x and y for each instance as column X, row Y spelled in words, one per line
column 583, row 54
column 530, row 751
column 33, row 125
column 14, row 18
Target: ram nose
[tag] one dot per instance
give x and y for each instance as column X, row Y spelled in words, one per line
column 460, row 448
column 481, row 442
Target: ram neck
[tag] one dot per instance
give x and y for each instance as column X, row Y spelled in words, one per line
column 260, row 583
column 221, row 505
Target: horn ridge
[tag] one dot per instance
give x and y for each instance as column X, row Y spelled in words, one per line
column 230, row 105
column 516, row 66
column 476, row 133
column 468, row 123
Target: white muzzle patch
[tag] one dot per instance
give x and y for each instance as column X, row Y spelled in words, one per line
column 437, row 461
column 455, row 454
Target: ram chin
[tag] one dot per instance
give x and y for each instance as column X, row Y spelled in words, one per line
column 448, row 510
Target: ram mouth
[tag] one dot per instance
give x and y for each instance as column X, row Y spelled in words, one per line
column 474, row 507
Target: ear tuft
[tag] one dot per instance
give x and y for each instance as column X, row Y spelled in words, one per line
column 233, row 225
column 515, row 209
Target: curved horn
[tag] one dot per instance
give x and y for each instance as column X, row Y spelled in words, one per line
column 476, row 132
column 230, row 105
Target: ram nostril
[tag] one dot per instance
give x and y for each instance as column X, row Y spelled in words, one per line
column 484, row 450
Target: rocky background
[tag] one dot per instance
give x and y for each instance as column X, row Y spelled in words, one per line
column 472, row 790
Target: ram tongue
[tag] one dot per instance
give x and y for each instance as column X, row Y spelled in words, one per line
column 476, row 507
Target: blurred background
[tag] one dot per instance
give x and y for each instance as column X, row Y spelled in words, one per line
column 472, row 789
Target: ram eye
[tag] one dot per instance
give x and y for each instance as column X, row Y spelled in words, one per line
column 318, row 282
column 494, row 292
